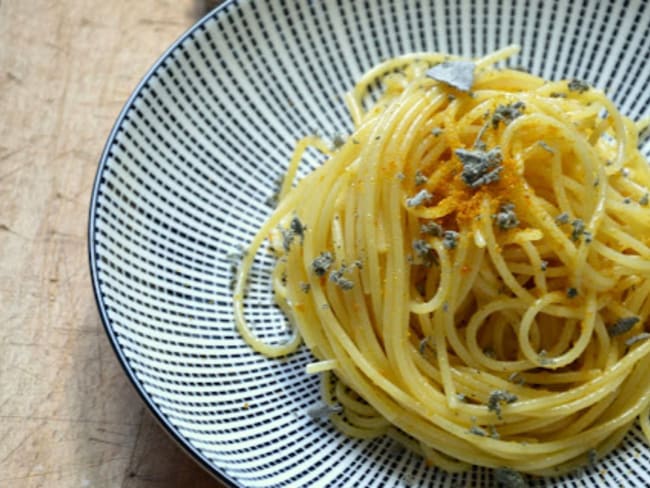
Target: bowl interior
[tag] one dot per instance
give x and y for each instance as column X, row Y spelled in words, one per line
column 186, row 176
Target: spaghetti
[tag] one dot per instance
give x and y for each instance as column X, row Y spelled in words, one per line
column 471, row 268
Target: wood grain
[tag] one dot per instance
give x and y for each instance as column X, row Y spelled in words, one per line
column 68, row 415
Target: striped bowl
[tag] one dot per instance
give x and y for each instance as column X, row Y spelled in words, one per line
column 184, row 182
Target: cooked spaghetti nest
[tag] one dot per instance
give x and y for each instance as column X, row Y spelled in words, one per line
column 471, row 266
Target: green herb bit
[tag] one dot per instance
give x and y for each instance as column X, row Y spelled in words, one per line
column 432, row 229
column 517, row 378
column 627, row 200
column 400, row 176
column 321, row 264
column 272, row 200
column 507, row 113
column 489, row 352
column 622, row 325
column 338, row 140
column 557, row 95
column 637, row 338
column 476, row 430
column 644, row 200
column 420, row 178
column 546, row 147
column 544, row 359
column 579, row 86
column 287, row 238
column 298, row 229
column 458, row 74
column 498, row 397
column 422, row 346
column 506, row 217
column 305, row 287
column 509, row 478
column 493, row 432
column 322, row 409
column 424, row 250
column 571, row 292
column 450, row 239
column 480, row 167
column 436, row 131
column 339, row 278
column 562, row 219
column 422, row 197
column 578, row 229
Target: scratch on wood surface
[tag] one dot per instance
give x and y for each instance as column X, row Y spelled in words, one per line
column 104, row 441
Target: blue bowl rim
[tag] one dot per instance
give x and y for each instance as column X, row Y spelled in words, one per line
column 171, row 430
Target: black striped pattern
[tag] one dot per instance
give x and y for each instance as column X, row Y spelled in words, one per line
column 193, row 158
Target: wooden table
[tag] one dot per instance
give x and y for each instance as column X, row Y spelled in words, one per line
column 68, row 415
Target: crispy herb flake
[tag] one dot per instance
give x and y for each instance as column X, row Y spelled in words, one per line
column 458, row 74
column 546, row 147
column 509, row 478
column 424, row 250
column 622, row 325
column 322, row 410
column 450, row 239
column 422, row 346
column 579, row 86
column 493, row 432
column 507, row 113
column 516, row 378
column 563, row 218
column 557, row 95
column 544, row 359
column 480, row 167
column 498, row 397
column 637, row 338
column 298, row 229
column 476, row 430
column 571, row 292
column 489, row 352
column 339, row 278
column 422, row 197
column 305, row 287
column 506, row 217
column 321, row 264
column 578, row 229
column 432, row 229
column 338, row 140
column 272, row 200
column 420, row 178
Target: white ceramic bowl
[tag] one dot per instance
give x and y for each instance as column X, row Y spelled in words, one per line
column 184, row 181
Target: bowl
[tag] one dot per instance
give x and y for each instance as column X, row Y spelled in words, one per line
column 184, row 182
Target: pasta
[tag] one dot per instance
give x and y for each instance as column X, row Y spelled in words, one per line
column 471, row 267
